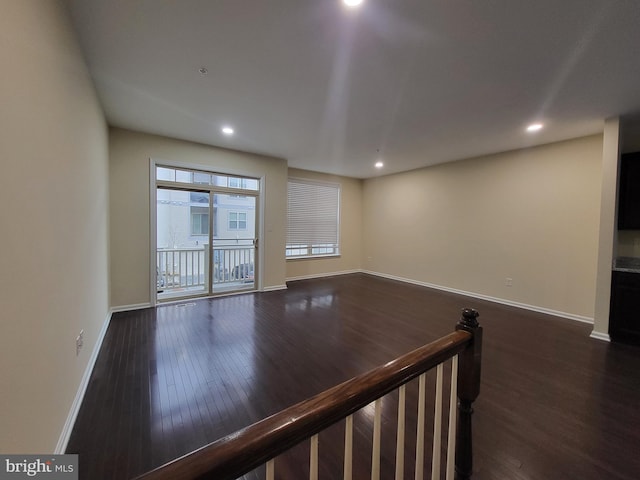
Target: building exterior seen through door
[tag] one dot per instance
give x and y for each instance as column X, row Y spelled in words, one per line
column 206, row 239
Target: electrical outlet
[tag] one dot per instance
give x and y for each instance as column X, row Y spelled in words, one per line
column 79, row 342
column 508, row 282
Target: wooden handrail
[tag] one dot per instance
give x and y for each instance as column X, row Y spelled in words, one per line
column 238, row 453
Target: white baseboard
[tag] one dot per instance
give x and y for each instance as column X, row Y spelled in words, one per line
column 77, row 401
column 126, row 308
column 600, row 336
column 274, row 288
column 323, row 275
column 534, row 308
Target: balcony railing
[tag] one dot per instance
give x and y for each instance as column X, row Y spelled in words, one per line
column 187, row 269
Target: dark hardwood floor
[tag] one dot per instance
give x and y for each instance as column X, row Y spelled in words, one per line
column 554, row 403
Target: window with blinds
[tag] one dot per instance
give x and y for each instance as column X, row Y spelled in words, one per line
column 313, row 219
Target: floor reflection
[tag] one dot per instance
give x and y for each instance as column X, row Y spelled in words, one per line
column 202, row 353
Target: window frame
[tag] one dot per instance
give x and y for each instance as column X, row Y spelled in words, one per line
column 314, row 249
column 199, row 214
column 237, row 220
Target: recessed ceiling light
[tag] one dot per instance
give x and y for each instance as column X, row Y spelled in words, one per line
column 203, row 70
column 534, row 127
column 352, row 3
column 379, row 164
column 227, row 130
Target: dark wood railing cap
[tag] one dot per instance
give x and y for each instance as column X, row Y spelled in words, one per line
column 469, row 320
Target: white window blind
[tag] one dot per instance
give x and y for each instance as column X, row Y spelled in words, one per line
column 313, row 217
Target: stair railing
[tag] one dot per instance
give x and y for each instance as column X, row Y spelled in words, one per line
column 241, row 452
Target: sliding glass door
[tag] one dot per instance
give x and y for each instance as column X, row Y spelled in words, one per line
column 182, row 237
column 234, row 242
column 206, row 240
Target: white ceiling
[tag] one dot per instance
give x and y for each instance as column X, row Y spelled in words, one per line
column 420, row 81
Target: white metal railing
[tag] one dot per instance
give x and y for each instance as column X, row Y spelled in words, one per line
column 233, row 263
column 188, row 268
column 181, row 268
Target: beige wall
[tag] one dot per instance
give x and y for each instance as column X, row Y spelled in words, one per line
column 350, row 258
column 530, row 215
column 53, row 210
column 130, row 215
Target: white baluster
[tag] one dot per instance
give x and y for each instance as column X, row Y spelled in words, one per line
column 400, row 436
column 375, row 455
column 348, row 447
column 437, row 426
column 313, row 458
column 165, row 256
column 420, row 429
column 179, row 269
column 451, row 440
column 173, row 268
column 176, row 268
column 184, row 267
column 271, row 469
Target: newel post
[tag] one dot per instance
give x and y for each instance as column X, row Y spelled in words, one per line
column 469, row 361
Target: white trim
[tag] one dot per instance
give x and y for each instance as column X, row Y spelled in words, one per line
column 600, row 336
column 207, row 168
column 274, row 288
column 314, row 257
column 534, row 308
column 135, row 306
column 260, row 235
column 63, row 440
column 322, row 275
column 153, row 233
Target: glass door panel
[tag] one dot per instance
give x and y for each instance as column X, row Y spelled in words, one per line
column 182, row 250
column 234, row 242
